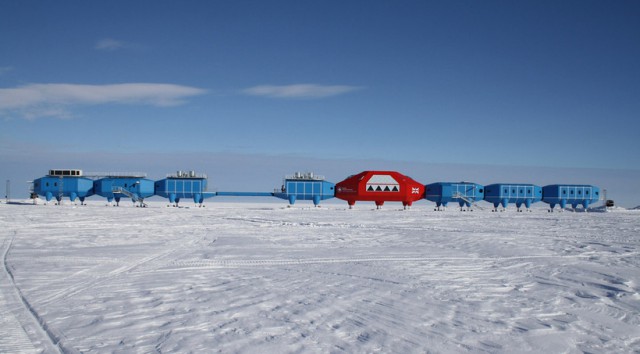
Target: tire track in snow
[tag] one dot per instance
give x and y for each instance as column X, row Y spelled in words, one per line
column 98, row 279
column 22, row 330
column 249, row 263
column 152, row 261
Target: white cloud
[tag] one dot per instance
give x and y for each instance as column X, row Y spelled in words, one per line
column 109, row 44
column 299, row 90
column 38, row 100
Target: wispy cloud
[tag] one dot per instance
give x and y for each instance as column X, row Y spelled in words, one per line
column 299, row 90
column 5, row 69
column 52, row 100
column 109, row 44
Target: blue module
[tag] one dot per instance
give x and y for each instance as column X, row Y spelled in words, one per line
column 64, row 183
column 305, row 186
column 518, row 194
column 465, row 193
column 133, row 186
column 184, row 184
column 572, row 194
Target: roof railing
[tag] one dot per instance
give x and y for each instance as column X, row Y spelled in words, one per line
column 116, row 174
column 305, row 176
column 187, row 174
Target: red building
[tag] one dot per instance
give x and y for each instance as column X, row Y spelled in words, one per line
column 380, row 187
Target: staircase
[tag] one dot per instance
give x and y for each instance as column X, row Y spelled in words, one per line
column 459, row 195
column 60, row 190
column 133, row 196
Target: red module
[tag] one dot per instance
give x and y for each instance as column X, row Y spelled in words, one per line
column 380, row 187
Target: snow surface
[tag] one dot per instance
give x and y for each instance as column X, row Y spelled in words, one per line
column 241, row 277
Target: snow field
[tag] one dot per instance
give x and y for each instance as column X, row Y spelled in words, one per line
column 264, row 278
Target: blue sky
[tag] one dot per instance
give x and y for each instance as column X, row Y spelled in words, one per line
column 550, row 84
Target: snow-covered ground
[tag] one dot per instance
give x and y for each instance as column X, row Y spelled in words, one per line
column 260, row 277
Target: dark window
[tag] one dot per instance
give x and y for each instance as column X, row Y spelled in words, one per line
column 480, row 190
column 564, row 192
column 571, row 192
column 597, row 193
column 55, row 184
column 521, row 191
column 513, row 191
column 47, row 184
column 580, row 192
column 586, row 192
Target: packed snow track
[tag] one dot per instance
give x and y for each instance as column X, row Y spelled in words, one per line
column 261, row 277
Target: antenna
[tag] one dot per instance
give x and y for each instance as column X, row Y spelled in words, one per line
column 8, row 191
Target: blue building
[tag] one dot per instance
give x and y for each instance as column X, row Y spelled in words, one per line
column 116, row 186
column 518, row 194
column 465, row 193
column 305, row 186
column 184, row 184
column 64, row 183
column 571, row 194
